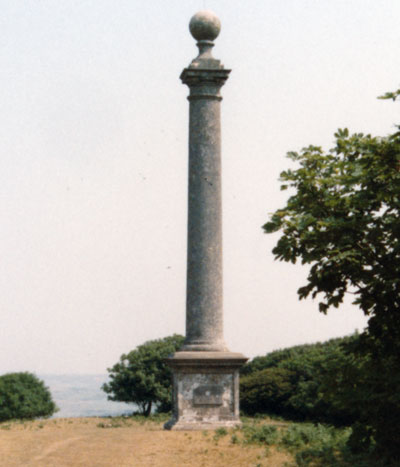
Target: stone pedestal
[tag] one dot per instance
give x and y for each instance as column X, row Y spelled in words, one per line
column 205, row 390
column 205, row 373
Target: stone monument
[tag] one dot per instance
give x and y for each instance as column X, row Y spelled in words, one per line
column 205, row 372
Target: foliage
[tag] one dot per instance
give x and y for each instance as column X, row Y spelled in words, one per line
column 368, row 388
column 266, row 391
column 298, row 383
column 310, row 444
column 142, row 376
column 343, row 220
column 220, row 433
column 273, row 359
column 261, row 434
column 24, row 396
column 315, row 444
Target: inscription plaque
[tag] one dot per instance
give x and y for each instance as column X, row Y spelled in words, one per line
column 209, row 394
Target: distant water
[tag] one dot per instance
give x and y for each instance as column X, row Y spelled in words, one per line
column 81, row 396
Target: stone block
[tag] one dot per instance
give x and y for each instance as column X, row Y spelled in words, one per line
column 205, row 390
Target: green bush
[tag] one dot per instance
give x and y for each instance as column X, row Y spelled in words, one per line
column 334, row 382
column 369, row 388
column 276, row 357
column 24, row 396
column 316, row 445
column 302, row 383
column 263, row 434
column 300, row 436
column 266, row 391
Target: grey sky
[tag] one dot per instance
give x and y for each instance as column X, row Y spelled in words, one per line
column 93, row 138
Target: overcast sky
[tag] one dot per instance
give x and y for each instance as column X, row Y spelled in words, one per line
column 93, row 174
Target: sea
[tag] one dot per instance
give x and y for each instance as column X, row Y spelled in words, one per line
column 82, row 396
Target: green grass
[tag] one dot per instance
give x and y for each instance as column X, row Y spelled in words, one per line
column 311, row 444
column 259, row 434
column 115, row 422
column 315, row 444
column 123, row 421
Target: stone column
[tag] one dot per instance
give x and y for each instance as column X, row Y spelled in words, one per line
column 205, row 373
column 205, row 76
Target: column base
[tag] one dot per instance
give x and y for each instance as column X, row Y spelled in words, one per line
column 200, row 346
column 180, row 425
column 205, row 390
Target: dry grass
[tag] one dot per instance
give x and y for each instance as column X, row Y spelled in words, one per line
column 95, row 442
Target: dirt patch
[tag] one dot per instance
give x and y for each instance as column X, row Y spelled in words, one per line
column 97, row 442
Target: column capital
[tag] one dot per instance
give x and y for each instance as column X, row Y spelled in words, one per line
column 198, row 76
column 204, row 83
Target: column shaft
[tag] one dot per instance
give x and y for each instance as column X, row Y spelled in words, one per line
column 204, row 315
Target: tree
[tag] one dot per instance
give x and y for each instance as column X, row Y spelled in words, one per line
column 343, row 220
column 24, row 396
column 142, row 376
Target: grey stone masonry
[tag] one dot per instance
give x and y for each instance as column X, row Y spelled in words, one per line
column 205, row 373
column 205, row 390
column 205, row 76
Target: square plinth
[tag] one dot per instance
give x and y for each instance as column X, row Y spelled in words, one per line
column 205, row 390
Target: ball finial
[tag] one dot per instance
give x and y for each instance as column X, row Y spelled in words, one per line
column 205, row 26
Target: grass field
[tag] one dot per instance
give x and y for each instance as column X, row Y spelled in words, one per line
column 93, row 442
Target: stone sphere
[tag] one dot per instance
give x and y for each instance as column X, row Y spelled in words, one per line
column 205, row 26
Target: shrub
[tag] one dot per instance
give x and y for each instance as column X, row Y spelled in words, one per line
column 24, row 396
column 219, row 433
column 317, row 445
column 262, row 434
column 311, row 445
column 306, row 384
column 340, row 382
column 266, row 391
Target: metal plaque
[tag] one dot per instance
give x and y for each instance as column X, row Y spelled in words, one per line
column 209, row 394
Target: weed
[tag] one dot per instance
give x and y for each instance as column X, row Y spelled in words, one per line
column 263, row 434
column 115, row 422
column 246, row 420
column 316, row 445
column 112, row 424
column 219, row 433
column 141, row 419
column 306, row 435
